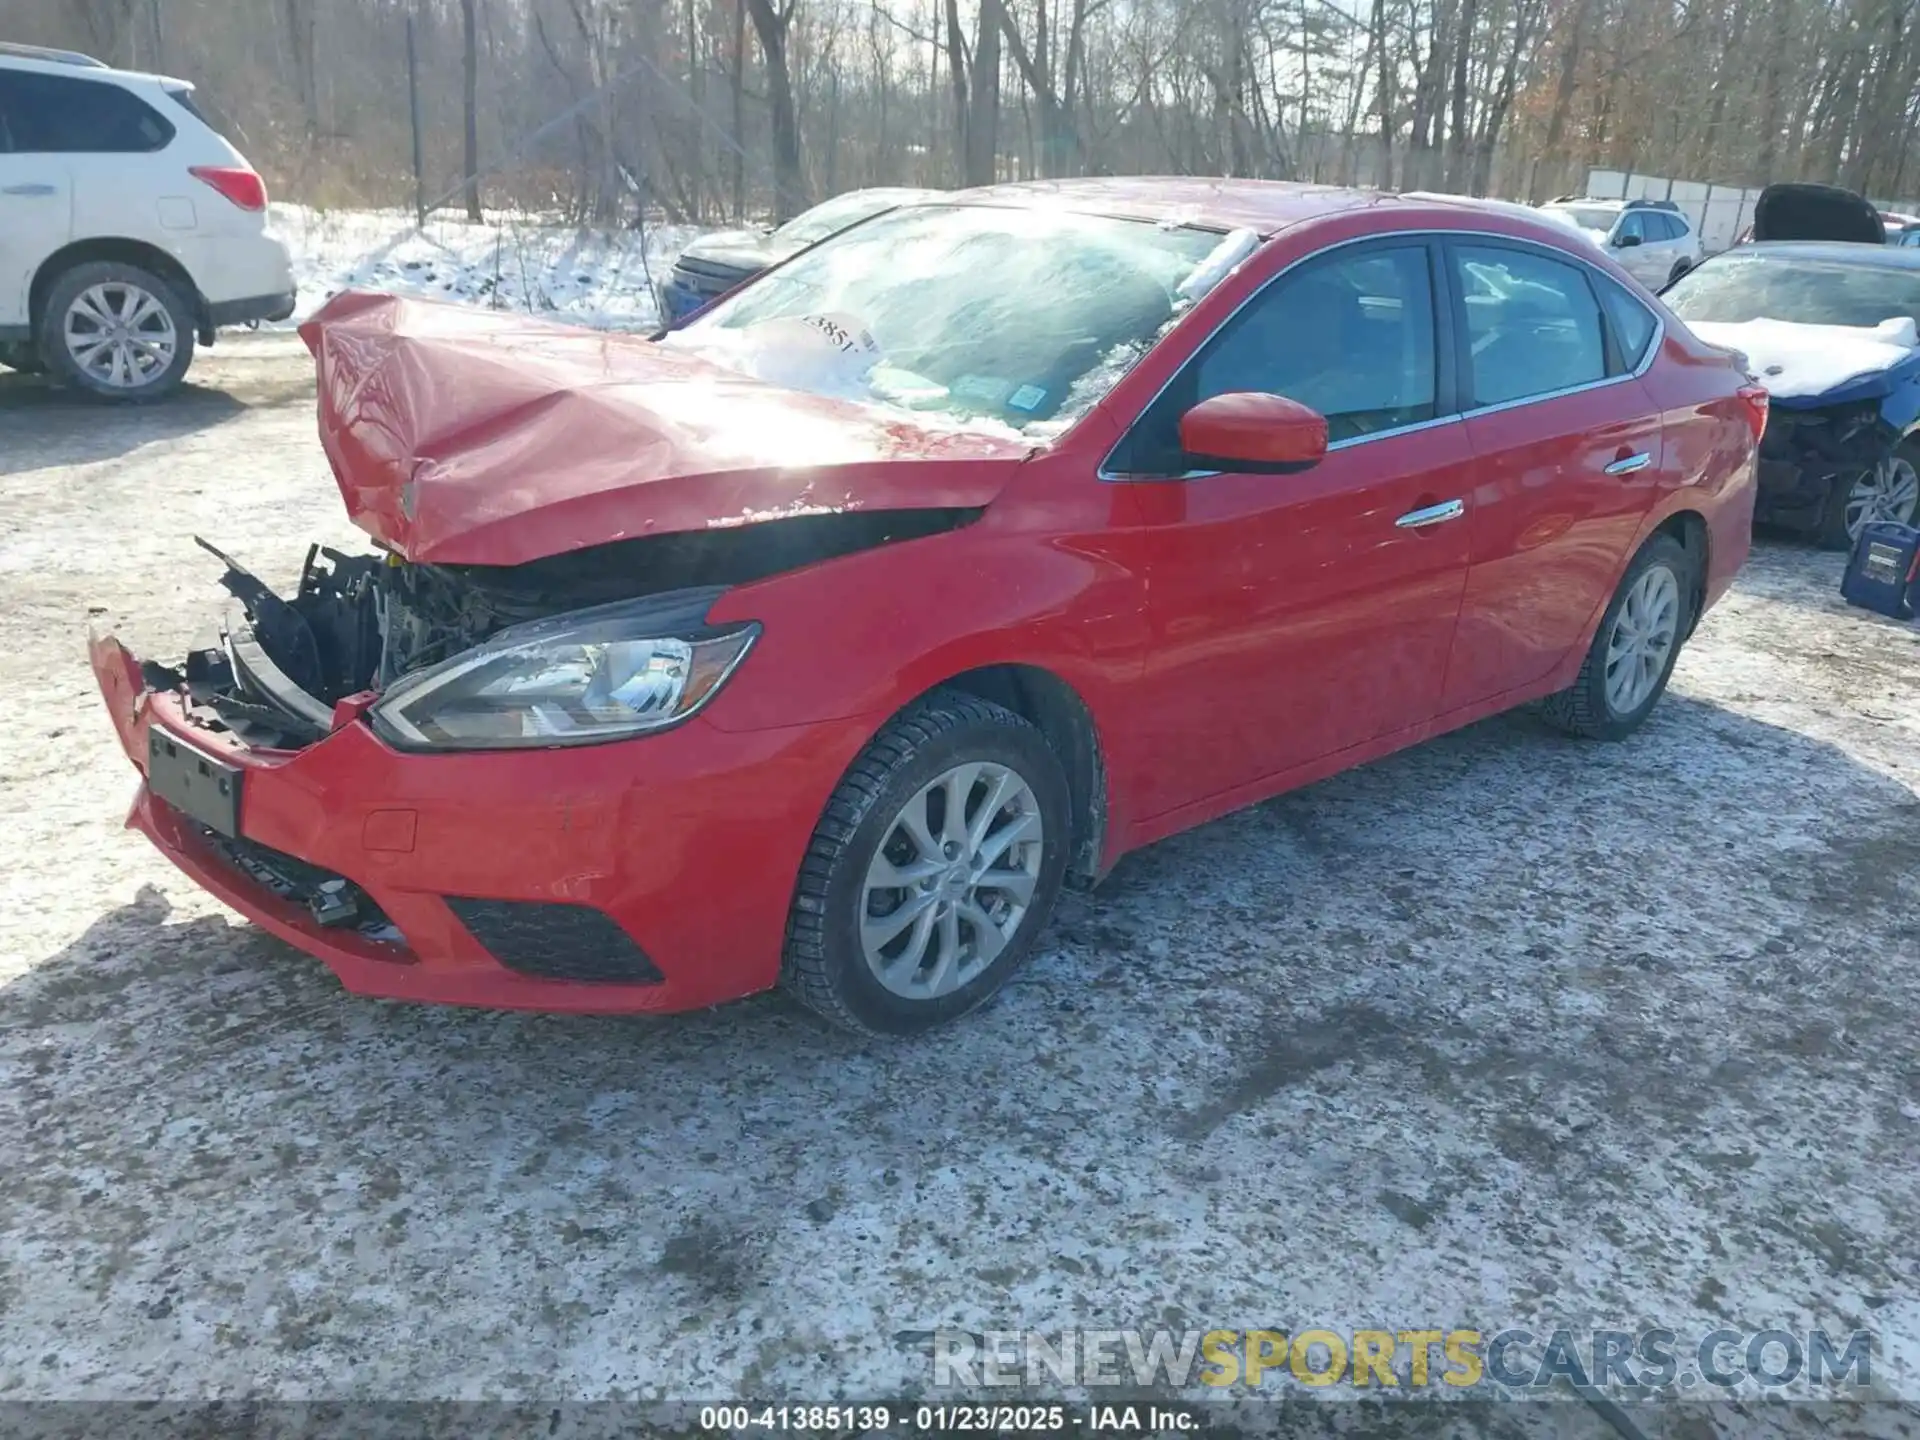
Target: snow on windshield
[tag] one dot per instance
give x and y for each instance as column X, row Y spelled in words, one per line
column 1800, row 361
column 1000, row 319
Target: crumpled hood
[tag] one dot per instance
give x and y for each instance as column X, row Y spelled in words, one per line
column 468, row 436
column 1824, row 364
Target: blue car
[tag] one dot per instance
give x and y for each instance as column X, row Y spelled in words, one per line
column 715, row 264
column 1832, row 329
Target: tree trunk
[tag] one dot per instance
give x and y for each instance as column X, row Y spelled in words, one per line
column 470, row 99
column 1383, row 94
column 739, row 79
column 983, row 100
column 789, row 182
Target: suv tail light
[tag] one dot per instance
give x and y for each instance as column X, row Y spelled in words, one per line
column 237, row 183
column 1755, row 397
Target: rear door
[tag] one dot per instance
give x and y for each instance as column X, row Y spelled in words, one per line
column 36, row 200
column 1568, row 459
column 105, row 141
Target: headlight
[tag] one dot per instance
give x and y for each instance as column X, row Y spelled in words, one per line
column 603, row 674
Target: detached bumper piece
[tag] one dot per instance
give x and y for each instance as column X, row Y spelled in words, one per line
column 553, row 941
column 332, row 900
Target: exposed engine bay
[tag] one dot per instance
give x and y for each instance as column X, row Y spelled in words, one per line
column 1829, row 439
column 357, row 623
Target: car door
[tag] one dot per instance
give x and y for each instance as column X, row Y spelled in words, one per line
column 1633, row 247
column 36, row 203
column 1293, row 616
column 1567, row 447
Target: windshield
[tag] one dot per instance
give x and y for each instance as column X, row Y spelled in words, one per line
column 1753, row 286
column 835, row 214
column 1587, row 217
column 1021, row 317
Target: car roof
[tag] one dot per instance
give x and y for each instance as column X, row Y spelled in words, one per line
column 1885, row 257
column 12, row 50
column 42, row 61
column 1265, row 207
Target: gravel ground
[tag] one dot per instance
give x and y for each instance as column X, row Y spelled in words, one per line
column 1509, row 1029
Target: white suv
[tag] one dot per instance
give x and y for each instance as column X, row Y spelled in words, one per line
column 128, row 227
column 1650, row 239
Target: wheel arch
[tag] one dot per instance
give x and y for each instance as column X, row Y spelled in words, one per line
column 1057, row 710
column 115, row 250
column 1689, row 528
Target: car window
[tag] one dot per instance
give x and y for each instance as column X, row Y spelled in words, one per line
column 1633, row 324
column 1659, row 227
column 1350, row 335
column 1533, row 324
column 1818, row 289
column 1633, row 223
column 56, row 114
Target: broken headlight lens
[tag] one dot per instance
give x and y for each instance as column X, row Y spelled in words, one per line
column 602, row 674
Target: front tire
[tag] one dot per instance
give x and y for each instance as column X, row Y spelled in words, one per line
column 116, row 332
column 1889, row 491
column 932, row 872
column 1633, row 652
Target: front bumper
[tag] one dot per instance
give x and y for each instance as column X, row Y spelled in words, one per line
column 686, row 844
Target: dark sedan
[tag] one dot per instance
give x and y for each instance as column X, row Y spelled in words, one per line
column 1830, row 330
column 715, row 264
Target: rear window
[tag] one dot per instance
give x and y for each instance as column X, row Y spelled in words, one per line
column 1633, row 324
column 182, row 95
column 57, row 114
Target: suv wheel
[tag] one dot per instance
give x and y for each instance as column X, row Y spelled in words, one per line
column 932, row 871
column 1680, row 267
column 1889, row 491
column 1632, row 655
column 116, row 332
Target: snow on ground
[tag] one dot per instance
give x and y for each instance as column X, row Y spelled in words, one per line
column 511, row 262
column 1507, row 1029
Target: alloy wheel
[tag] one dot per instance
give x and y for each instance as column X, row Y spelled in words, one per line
column 1644, row 632
column 120, row 335
column 952, row 879
column 1889, row 491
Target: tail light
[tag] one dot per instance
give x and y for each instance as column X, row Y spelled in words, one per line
column 1755, row 399
column 236, row 182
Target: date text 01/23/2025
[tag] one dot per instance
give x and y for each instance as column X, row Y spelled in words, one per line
column 951, row 1419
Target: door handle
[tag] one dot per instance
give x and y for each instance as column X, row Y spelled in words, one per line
column 1628, row 464
column 1432, row 515
column 28, row 190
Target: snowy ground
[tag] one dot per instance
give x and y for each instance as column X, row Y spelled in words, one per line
column 1508, row 1029
column 513, row 263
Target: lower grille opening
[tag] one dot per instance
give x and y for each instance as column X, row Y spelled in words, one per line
column 332, row 900
column 555, row 941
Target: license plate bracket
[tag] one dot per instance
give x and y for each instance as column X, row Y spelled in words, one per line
column 196, row 784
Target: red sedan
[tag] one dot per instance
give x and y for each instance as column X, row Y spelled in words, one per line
column 821, row 641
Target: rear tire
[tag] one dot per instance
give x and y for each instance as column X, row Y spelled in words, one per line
column 116, row 332
column 1680, row 267
column 958, row 935
column 1633, row 652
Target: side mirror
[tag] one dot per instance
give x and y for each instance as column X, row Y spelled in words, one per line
column 1627, row 242
column 1254, row 433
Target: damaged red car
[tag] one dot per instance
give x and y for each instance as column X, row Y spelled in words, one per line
column 819, row 642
